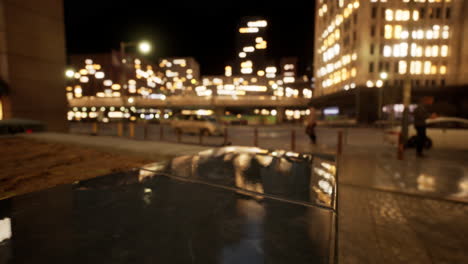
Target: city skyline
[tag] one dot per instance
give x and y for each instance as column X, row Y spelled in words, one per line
column 210, row 38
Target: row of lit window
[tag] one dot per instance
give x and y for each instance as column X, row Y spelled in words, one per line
column 330, row 40
column 165, row 63
column 339, row 76
column 400, row 15
column 423, row 1
column 339, row 18
column 397, row 32
column 401, row 50
column 331, row 53
column 333, row 66
column 421, row 67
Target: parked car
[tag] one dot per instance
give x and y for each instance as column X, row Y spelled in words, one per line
column 195, row 124
column 442, row 132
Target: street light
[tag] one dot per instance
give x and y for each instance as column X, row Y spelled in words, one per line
column 69, row 73
column 380, row 84
column 144, row 47
column 384, row 75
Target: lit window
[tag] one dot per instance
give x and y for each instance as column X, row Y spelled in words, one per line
column 399, row 15
column 433, row 69
column 389, row 15
column 415, row 15
column 249, row 49
column 416, row 67
column 387, row 51
column 99, row 75
column 258, row 39
column 443, row 69
column 444, row 51
column 445, row 33
column 397, row 32
column 427, row 67
column 428, row 51
column 388, row 31
column 402, row 67
column 248, row 30
column 242, row 55
column 435, row 51
column 404, row 34
column 429, row 34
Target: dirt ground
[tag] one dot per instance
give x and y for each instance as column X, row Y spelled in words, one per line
column 28, row 165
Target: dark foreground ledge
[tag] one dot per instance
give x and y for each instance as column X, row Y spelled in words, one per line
column 230, row 205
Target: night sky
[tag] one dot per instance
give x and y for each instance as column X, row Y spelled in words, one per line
column 203, row 29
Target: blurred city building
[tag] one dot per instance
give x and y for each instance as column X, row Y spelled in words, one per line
column 364, row 51
column 105, row 87
column 32, row 59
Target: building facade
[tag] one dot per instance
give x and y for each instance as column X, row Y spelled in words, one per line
column 32, row 61
column 374, row 46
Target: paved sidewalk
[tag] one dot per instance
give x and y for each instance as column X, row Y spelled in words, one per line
column 390, row 211
column 147, row 149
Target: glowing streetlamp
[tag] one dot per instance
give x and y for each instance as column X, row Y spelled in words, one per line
column 384, row 75
column 69, row 73
column 380, row 84
column 144, row 47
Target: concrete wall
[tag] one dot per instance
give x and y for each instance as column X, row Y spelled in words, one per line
column 32, row 60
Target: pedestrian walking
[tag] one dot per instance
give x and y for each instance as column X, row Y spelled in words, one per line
column 311, row 123
column 420, row 114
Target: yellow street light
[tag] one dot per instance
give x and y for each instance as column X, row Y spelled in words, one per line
column 384, row 75
column 69, row 73
column 144, row 47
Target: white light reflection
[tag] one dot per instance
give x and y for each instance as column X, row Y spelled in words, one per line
column 5, row 229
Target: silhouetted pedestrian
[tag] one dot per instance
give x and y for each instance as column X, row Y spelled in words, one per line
column 311, row 123
column 421, row 113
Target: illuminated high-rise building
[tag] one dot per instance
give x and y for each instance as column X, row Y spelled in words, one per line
column 380, row 43
column 181, row 74
column 251, row 46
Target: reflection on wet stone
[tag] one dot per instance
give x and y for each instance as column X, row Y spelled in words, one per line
column 193, row 209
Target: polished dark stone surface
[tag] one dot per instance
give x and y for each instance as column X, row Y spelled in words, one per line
column 240, row 212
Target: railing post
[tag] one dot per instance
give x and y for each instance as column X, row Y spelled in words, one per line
column 179, row 135
column 161, row 132
column 131, row 130
column 225, row 136
column 400, row 147
column 200, row 138
column 120, row 129
column 255, row 137
column 145, row 131
column 293, row 140
column 95, row 128
column 339, row 145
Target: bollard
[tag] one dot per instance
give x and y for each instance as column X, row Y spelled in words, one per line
column 225, row 136
column 145, row 131
column 293, row 140
column 200, row 138
column 255, row 137
column 400, row 147
column 131, row 130
column 95, row 128
column 119, row 129
column 179, row 135
column 161, row 132
column 339, row 145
